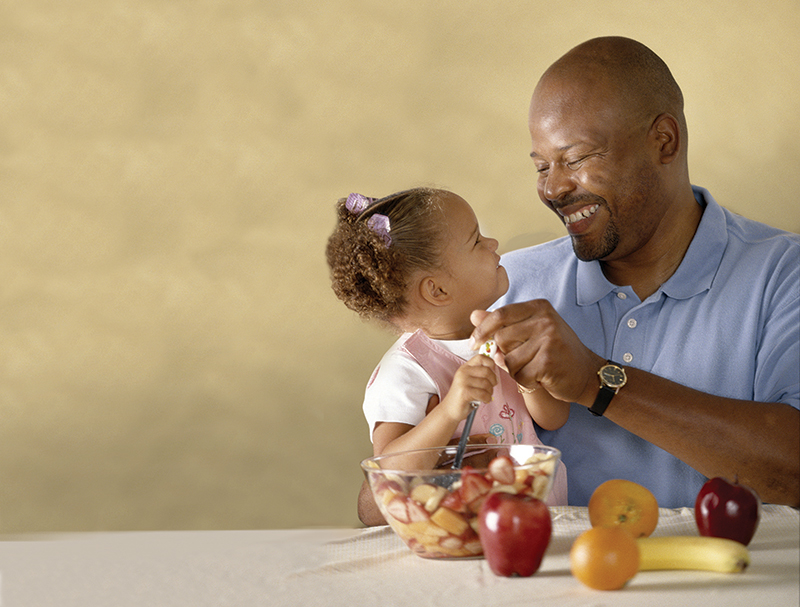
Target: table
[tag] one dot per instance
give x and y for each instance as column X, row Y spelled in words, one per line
column 353, row 567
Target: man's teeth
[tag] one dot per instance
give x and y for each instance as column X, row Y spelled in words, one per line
column 583, row 213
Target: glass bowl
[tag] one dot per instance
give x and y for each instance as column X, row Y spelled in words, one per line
column 434, row 509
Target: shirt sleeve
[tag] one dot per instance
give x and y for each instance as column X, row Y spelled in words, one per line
column 398, row 391
column 778, row 365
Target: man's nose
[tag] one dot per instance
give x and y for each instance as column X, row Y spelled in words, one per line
column 557, row 183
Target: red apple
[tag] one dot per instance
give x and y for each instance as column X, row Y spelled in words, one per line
column 727, row 510
column 514, row 531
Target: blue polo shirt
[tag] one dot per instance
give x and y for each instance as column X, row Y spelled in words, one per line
column 726, row 323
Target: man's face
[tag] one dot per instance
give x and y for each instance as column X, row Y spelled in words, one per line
column 595, row 169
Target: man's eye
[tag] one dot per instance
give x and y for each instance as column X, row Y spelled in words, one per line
column 542, row 169
column 574, row 164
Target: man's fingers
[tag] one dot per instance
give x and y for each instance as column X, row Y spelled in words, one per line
column 508, row 317
column 477, row 316
column 486, row 323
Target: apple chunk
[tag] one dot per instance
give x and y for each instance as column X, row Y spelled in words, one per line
column 428, row 495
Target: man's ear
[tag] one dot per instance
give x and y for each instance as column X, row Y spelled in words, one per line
column 434, row 291
column 667, row 133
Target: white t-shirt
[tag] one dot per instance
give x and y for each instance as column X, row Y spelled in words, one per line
column 399, row 389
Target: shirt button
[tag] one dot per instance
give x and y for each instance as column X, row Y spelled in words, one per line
column 627, row 357
column 632, row 323
column 622, row 295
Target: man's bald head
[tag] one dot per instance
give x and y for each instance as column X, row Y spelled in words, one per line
column 626, row 72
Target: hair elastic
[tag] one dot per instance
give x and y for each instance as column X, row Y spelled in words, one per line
column 357, row 204
column 381, row 225
column 378, row 223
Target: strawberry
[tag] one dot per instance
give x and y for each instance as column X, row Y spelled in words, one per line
column 454, row 502
column 397, row 507
column 474, row 486
column 416, row 511
column 501, row 469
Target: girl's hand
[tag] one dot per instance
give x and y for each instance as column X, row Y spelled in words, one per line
column 474, row 381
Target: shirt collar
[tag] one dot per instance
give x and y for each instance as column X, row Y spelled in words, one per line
column 693, row 276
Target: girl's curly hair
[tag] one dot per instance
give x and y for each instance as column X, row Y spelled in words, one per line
column 371, row 278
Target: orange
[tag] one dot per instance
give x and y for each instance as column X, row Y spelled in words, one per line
column 604, row 558
column 625, row 504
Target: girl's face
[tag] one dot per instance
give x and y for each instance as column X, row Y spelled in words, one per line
column 470, row 264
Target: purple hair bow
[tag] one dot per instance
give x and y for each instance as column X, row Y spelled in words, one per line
column 357, row 204
column 381, row 226
column 378, row 223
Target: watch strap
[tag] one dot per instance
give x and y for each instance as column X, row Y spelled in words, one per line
column 604, row 397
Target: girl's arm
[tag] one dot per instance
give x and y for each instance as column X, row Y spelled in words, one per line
column 546, row 410
column 473, row 381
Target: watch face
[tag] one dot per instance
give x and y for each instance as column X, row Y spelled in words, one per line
column 612, row 376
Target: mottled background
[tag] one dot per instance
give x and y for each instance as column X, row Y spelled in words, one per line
column 171, row 355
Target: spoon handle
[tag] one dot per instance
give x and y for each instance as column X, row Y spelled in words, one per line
column 462, row 444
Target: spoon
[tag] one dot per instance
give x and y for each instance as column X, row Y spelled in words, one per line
column 487, row 349
column 446, row 480
column 462, row 444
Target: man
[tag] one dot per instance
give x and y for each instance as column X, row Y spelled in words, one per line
column 691, row 312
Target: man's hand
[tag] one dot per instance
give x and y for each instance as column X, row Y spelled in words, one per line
column 368, row 512
column 540, row 349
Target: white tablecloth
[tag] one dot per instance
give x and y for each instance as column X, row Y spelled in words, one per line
column 352, row 567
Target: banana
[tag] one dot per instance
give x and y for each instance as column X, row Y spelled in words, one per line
column 690, row 552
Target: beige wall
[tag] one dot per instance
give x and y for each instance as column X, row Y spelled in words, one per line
column 171, row 355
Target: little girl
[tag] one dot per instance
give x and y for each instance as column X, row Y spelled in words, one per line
column 416, row 260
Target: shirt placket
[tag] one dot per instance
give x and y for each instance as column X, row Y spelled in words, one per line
column 629, row 333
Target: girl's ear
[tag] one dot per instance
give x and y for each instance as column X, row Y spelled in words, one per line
column 434, row 291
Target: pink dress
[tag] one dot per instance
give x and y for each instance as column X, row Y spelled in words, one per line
column 505, row 418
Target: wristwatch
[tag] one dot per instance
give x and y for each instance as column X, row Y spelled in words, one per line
column 612, row 378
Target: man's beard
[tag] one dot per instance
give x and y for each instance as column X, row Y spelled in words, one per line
column 586, row 250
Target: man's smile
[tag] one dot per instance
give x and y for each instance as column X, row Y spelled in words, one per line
column 583, row 213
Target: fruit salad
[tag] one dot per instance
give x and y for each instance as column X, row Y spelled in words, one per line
column 442, row 522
